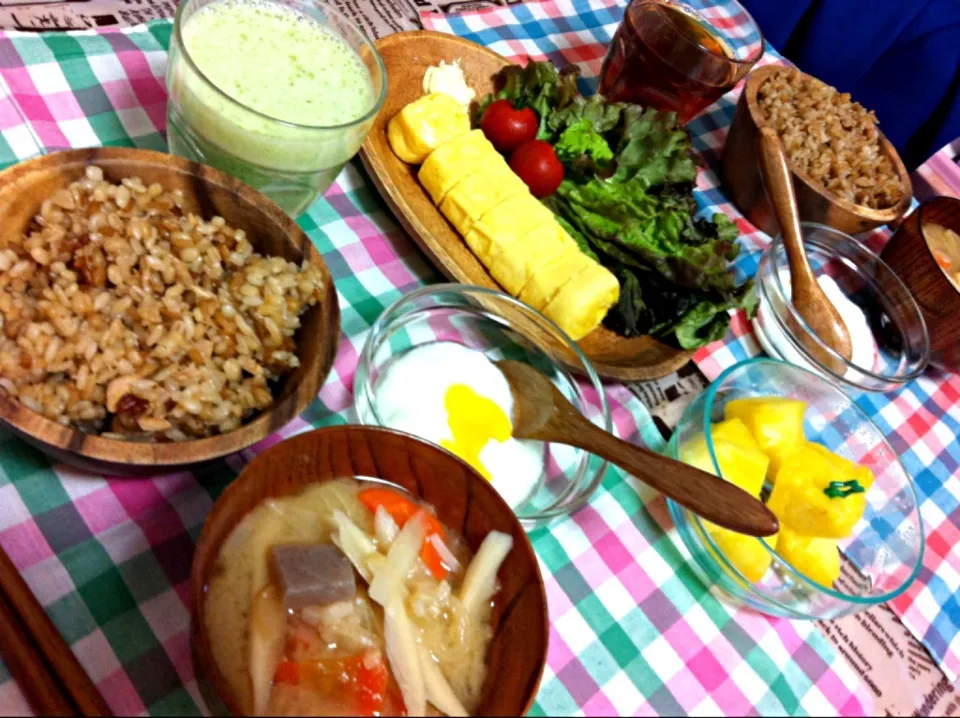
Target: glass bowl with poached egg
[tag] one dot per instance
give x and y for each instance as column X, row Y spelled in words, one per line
column 428, row 368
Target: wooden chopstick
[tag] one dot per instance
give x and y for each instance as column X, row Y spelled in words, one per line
column 47, row 663
column 28, row 667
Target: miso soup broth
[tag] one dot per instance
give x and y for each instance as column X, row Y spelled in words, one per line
column 944, row 244
column 352, row 598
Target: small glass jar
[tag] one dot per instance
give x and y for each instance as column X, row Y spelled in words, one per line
column 891, row 346
column 500, row 327
column 291, row 164
column 882, row 556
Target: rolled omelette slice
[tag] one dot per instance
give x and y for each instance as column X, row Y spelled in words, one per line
column 425, row 124
column 513, row 265
column 583, row 302
column 504, row 225
column 454, row 160
column 478, row 193
column 548, row 280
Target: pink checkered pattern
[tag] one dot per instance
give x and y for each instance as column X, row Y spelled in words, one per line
column 922, row 422
column 638, row 641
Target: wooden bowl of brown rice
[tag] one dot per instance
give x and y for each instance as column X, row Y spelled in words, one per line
column 846, row 174
column 154, row 313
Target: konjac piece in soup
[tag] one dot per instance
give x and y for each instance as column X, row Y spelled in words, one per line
column 944, row 244
column 352, row 598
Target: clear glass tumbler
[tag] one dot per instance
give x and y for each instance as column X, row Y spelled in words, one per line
column 679, row 56
column 291, row 164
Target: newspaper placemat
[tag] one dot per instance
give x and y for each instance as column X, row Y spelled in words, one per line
column 376, row 17
column 890, row 661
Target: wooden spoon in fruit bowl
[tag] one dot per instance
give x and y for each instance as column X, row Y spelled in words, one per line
column 542, row 413
column 807, row 296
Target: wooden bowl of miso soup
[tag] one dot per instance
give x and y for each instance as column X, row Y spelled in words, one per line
column 359, row 571
column 925, row 254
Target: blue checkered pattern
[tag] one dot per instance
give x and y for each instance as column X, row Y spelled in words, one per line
column 922, row 420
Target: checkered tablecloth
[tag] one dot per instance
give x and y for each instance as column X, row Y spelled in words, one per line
column 632, row 630
column 939, row 175
column 922, row 420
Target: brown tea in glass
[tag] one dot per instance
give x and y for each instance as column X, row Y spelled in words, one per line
column 667, row 56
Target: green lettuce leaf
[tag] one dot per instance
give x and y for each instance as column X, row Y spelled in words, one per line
column 659, row 230
column 675, row 282
column 654, row 149
column 627, row 201
column 583, row 149
column 602, row 116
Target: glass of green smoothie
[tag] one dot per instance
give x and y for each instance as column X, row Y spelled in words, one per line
column 278, row 93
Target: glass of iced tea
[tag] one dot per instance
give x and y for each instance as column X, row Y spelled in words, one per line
column 672, row 57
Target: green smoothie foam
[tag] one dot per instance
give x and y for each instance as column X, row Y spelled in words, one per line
column 279, row 88
column 279, row 62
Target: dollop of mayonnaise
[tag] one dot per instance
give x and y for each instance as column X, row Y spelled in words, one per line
column 449, row 79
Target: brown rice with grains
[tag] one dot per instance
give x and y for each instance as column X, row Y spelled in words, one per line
column 831, row 139
column 118, row 314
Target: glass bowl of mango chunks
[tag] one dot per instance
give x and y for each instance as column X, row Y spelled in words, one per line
column 850, row 535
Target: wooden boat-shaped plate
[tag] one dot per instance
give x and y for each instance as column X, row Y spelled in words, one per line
column 407, row 55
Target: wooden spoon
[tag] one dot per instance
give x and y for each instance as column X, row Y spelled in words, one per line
column 807, row 296
column 541, row 412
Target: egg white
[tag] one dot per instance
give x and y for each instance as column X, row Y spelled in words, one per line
column 410, row 397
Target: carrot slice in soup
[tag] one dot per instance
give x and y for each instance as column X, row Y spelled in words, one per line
column 402, row 509
column 943, row 259
column 288, row 672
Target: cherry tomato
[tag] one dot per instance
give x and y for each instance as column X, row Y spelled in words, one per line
column 537, row 165
column 506, row 127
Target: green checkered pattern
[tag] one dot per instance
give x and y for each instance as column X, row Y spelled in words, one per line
column 632, row 630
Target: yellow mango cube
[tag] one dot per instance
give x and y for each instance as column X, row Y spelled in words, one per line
column 740, row 463
column 735, row 431
column 811, row 494
column 776, row 424
column 454, row 160
column 425, row 124
column 816, row 558
column 849, row 470
column 746, row 553
column 475, row 195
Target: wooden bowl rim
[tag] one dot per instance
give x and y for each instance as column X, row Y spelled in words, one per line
column 881, row 216
column 923, row 237
column 178, row 453
column 612, row 355
column 198, row 582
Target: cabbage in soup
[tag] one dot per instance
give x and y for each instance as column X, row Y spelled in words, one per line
column 352, row 598
column 944, row 244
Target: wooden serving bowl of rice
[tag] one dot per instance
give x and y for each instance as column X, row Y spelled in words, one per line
column 155, row 313
column 846, row 173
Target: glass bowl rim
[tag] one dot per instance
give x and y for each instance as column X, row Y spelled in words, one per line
column 330, row 10
column 569, row 500
column 891, row 380
column 709, row 396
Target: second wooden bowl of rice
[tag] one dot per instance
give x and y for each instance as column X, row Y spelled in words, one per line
column 846, row 173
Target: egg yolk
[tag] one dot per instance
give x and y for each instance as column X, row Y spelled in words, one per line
column 474, row 420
